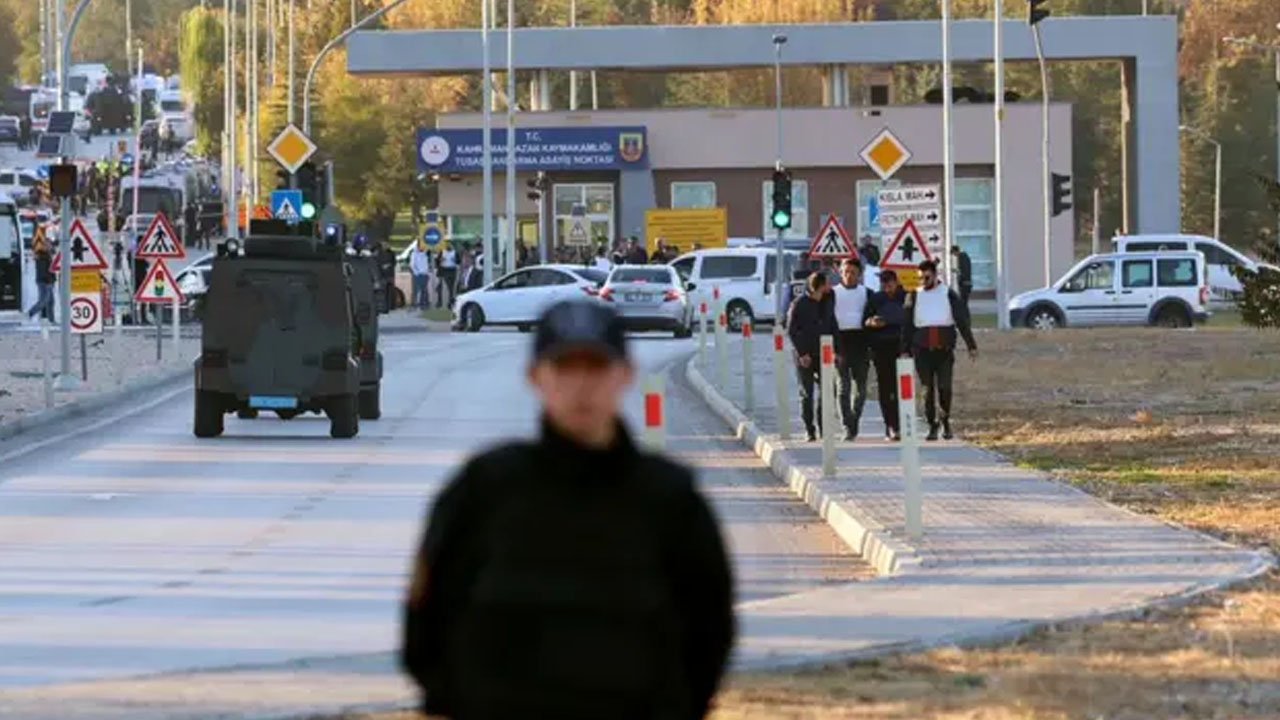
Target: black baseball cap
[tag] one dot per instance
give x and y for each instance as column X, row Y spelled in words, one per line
column 577, row 326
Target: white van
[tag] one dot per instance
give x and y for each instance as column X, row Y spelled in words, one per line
column 745, row 277
column 1222, row 259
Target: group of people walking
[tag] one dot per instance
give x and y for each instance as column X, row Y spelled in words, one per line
column 873, row 329
column 443, row 275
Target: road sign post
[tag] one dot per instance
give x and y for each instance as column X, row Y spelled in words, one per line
column 780, row 382
column 910, row 447
column 827, row 393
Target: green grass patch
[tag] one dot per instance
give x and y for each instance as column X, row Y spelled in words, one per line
column 438, row 314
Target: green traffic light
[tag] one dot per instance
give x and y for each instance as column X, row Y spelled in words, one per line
column 308, row 211
column 781, row 219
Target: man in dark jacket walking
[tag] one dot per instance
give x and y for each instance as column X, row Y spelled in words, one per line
column 933, row 316
column 885, row 323
column 964, row 273
column 575, row 576
column 809, row 319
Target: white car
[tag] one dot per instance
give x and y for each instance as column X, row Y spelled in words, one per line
column 1167, row 289
column 519, row 298
column 745, row 277
column 1222, row 259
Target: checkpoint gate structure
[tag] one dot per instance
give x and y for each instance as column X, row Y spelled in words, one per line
column 1146, row 48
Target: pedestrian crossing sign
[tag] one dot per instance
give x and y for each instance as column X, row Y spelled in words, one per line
column 832, row 241
column 578, row 233
column 287, row 205
column 159, row 286
column 160, row 241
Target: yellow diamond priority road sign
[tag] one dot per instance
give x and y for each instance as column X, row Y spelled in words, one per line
column 291, row 148
column 885, row 154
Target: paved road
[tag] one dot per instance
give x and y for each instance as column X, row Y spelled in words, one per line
column 134, row 549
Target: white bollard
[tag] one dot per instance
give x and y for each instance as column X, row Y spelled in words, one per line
column 655, row 421
column 177, row 319
column 910, row 447
column 702, row 334
column 780, row 383
column 722, row 352
column 827, row 391
column 748, row 388
column 45, row 362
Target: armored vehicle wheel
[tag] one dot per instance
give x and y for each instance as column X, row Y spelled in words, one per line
column 370, row 402
column 208, row 421
column 344, row 421
column 247, row 414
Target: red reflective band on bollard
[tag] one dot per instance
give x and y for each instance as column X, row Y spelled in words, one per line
column 715, row 293
column 828, row 355
column 724, row 321
column 906, row 388
column 704, row 308
column 653, row 410
column 746, row 330
column 777, row 343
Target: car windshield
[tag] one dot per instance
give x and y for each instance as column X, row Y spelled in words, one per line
column 78, row 84
column 596, row 276
column 9, row 122
column 171, row 106
column 9, row 236
column 641, row 275
column 151, row 201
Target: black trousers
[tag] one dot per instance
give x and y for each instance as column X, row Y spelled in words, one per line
column 448, row 278
column 807, row 379
column 965, row 291
column 885, row 356
column 852, row 370
column 936, row 368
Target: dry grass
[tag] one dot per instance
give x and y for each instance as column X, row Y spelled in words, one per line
column 1182, row 425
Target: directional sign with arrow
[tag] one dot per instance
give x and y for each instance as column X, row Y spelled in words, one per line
column 832, row 241
column 85, row 254
column 891, row 199
column 922, row 217
column 160, row 241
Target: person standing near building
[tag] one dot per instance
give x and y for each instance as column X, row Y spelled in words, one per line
column 636, row 254
column 419, row 268
column 964, row 273
column 573, row 576
column 601, row 262
column 869, row 251
column 448, row 276
column 850, row 302
column 933, row 316
column 44, row 278
column 885, row 319
column 469, row 278
column 808, row 320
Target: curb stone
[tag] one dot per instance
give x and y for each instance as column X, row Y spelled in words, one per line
column 93, row 403
column 889, row 555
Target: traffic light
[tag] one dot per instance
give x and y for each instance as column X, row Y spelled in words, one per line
column 1061, row 193
column 1035, row 13
column 309, row 183
column 538, row 186
column 781, row 199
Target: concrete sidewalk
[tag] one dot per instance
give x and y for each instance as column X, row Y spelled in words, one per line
column 1005, row 550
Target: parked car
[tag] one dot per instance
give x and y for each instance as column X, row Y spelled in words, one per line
column 1167, row 289
column 519, row 298
column 650, row 297
column 10, row 131
column 17, row 184
column 745, row 277
column 1223, row 260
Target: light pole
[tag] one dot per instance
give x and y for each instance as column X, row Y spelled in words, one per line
column 778, row 41
column 573, row 74
column 486, row 145
column 1002, row 286
column 1044, row 152
column 948, row 143
column 1217, row 177
column 509, row 246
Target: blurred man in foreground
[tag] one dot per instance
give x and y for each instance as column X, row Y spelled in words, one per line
column 575, row 576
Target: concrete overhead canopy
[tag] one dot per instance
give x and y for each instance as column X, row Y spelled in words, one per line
column 1146, row 47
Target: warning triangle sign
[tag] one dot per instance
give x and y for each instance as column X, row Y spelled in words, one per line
column 832, row 241
column 160, row 241
column 159, row 286
column 85, row 253
column 907, row 250
column 578, row 231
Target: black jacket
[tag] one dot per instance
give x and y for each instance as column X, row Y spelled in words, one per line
column 888, row 308
column 964, row 269
column 807, row 322
column 468, row 282
column 914, row 338
column 555, row 581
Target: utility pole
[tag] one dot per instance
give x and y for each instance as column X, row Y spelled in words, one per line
column 509, row 249
column 1002, row 285
column 486, row 142
column 65, row 380
column 233, row 229
column 228, row 123
column 128, row 39
column 44, row 42
column 778, row 282
column 573, row 74
column 948, row 144
column 1044, row 153
column 291, row 59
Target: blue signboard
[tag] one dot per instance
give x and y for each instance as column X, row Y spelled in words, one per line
column 547, row 149
column 286, row 205
column 432, row 236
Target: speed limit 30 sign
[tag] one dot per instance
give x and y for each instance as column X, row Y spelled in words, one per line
column 86, row 313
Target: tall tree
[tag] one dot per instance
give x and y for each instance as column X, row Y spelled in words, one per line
column 201, row 63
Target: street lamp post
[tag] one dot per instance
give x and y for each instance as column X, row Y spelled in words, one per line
column 1002, row 286
column 509, row 246
column 1217, row 177
column 948, row 144
column 778, row 282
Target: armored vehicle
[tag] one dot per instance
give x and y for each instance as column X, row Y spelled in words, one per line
column 279, row 334
column 366, row 296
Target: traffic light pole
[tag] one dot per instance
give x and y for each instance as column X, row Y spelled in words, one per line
column 778, row 283
column 1044, row 152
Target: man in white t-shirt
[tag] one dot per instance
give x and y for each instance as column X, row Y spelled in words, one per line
column 602, row 261
column 934, row 316
column 853, row 351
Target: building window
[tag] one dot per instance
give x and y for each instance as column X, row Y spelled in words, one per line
column 594, row 201
column 799, row 211
column 693, row 195
column 974, row 218
column 869, row 211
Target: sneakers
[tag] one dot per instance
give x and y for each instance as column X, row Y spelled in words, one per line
column 850, row 434
column 892, row 435
column 810, row 435
column 946, row 430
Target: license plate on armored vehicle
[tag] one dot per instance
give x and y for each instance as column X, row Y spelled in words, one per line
column 272, row 402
